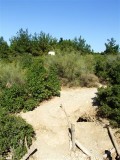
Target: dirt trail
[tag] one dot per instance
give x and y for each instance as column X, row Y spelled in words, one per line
column 51, row 127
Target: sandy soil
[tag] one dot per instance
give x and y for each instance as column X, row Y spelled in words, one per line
column 51, row 126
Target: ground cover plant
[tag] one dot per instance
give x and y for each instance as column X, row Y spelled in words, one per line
column 13, row 132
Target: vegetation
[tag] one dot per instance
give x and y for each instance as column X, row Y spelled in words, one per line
column 22, row 88
column 4, row 48
column 74, row 69
column 28, row 76
column 13, row 132
column 109, row 98
column 111, row 47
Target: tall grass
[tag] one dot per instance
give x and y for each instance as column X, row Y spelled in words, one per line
column 74, row 69
column 11, row 73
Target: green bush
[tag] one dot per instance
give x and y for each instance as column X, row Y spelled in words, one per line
column 114, row 72
column 12, row 99
column 109, row 101
column 109, row 98
column 107, row 68
column 40, row 85
column 13, row 131
column 4, row 49
column 73, row 69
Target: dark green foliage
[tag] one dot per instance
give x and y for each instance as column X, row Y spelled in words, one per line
column 21, row 43
column 25, row 61
column 13, row 131
column 107, row 68
column 77, row 45
column 42, row 43
column 24, row 43
column 12, row 99
column 30, row 104
column 40, row 85
column 66, row 46
column 4, row 48
column 101, row 67
column 111, row 47
column 109, row 100
column 114, row 72
column 82, row 46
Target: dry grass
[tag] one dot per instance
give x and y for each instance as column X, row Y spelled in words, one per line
column 11, row 73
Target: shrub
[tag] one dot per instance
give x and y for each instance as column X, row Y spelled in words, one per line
column 109, row 101
column 107, row 68
column 88, row 80
column 12, row 99
column 30, row 104
column 13, row 131
column 114, row 72
column 109, row 98
column 73, row 69
column 40, row 85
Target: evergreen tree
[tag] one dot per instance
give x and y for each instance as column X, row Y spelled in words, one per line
column 21, row 43
column 4, row 48
column 111, row 47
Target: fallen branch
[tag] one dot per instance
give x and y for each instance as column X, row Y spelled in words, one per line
column 113, row 140
column 30, row 152
column 72, row 136
column 26, row 144
column 78, row 144
column 82, row 148
column 110, row 152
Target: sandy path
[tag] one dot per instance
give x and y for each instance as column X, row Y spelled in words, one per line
column 51, row 127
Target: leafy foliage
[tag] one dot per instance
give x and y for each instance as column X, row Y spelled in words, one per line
column 114, row 72
column 21, row 43
column 42, row 84
column 82, row 46
column 39, row 85
column 4, row 48
column 12, row 99
column 107, row 68
column 109, row 98
column 13, row 131
column 42, row 43
column 111, row 47
column 25, row 43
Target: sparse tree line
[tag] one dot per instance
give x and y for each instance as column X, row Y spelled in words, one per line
column 40, row 44
column 28, row 76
